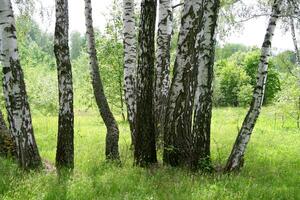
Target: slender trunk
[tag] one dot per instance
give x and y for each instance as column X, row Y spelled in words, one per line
column 7, row 144
column 65, row 139
column 203, row 94
column 293, row 32
column 178, row 120
column 112, row 135
column 236, row 158
column 121, row 97
column 130, row 63
column 14, row 89
column 145, row 144
column 162, row 69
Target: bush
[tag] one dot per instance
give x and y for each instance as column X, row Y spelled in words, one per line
column 231, row 79
column 273, row 83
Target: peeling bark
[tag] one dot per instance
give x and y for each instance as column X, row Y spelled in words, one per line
column 65, row 138
column 205, row 45
column 129, row 62
column 145, row 145
column 178, row 122
column 14, row 89
column 162, row 68
column 236, row 158
column 112, row 135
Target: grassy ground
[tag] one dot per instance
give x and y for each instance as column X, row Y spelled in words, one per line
column 271, row 171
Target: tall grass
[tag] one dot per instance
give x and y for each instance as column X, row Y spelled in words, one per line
column 271, row 171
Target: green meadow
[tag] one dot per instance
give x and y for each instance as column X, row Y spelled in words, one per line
column 271, row 169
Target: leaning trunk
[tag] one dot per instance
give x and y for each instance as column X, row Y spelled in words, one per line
column 236, row 158
column 203, row 95
column 129, row 63
column 178, row 120
column 162, row 69
column 16, row 100
column 112, row 135
column 65, row 139
column 145, row 145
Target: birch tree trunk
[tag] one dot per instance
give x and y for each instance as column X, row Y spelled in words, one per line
column 145, row 145
column 65, row 139
column 129, row 63
column 16, row 100
column 112, row 135
column 293, row 32
column 205, row 45
column 7, row 144
column 162, row 69
column 236, row 158
column 178, row 120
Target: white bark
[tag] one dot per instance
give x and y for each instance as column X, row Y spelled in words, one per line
column 235, row 160
column 178, row 122
column 130, row 57
column 205, row 47
column 65, row 138
column 14, row 89
column 162, row 69
column 293, row 32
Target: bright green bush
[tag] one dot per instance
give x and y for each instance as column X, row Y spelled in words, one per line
column 231, row 79
column 250, row 65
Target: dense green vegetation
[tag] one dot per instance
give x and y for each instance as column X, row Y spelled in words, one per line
column 270, row 172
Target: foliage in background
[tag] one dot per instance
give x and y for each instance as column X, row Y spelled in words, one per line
column 235, row 77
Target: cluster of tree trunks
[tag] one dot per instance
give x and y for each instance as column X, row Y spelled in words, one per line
column 180, row 112
column 188, row 116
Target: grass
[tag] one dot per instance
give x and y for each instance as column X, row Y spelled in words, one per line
column 271, row 171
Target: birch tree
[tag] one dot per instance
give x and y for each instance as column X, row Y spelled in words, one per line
column 130, row 55
column 293, row 33
column 14, row 89
column 65, row 139
column 145, row 145
column 236, row 158
column 162, row 69
column 112, row 135
column 178, row 121
column 203, row 93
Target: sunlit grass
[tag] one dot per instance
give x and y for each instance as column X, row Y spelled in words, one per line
column 271, row 171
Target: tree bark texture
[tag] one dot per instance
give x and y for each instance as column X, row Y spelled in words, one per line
column 205, row 46
column 65, row 138
column 112, row 135
column 162, row 69
column 14, row 89
column 236, row 158
column 7, row 144
column 178, row 120
column 145, row 144
column 130, row 56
